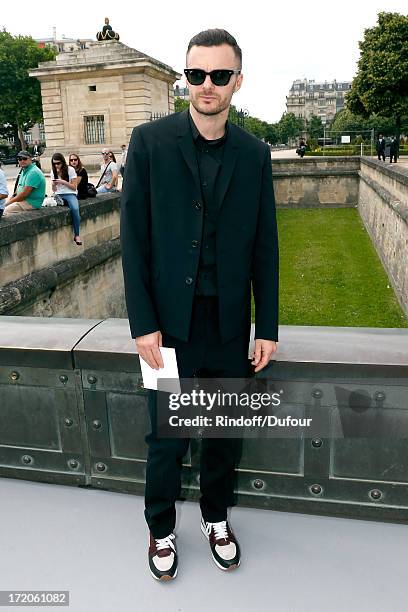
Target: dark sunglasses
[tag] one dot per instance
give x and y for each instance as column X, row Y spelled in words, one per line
column 73, row 159
column 196, row 76
column 57, row 163
column 20, row 157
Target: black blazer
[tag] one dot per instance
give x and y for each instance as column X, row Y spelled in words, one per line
column 162, row 220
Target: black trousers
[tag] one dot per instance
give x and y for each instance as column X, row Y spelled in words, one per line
column 204, row 355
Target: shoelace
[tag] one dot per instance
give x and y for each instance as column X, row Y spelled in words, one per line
column 220, row 530
column 163, row 543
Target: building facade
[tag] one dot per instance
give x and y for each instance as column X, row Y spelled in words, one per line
column 94, row 97
column 307, row 98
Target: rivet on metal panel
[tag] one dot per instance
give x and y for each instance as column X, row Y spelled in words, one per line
column 92, row 379
column 73, row 464
column 316, row 489
column 27, row 459
column 63, row 378
column 101, row 467
column 317, row 442
column 68, row 422
column 317, row 393
column 376, row 494
column 258, row 483
column 96, row 424
column 14, row 376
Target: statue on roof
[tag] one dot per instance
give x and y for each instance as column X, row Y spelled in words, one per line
column 107, row 33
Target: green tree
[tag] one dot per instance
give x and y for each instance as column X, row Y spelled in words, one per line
column 180, row 104
column 20, row 106
column 381, row 83
column 315, row 127
column 289, row 126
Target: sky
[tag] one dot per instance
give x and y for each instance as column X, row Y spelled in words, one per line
column 281, row 41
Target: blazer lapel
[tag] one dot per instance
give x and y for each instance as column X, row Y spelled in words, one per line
column 186, row 144
column 231, row 150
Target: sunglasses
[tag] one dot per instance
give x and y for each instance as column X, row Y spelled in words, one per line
column 196, row 76
column 73, row 159
column 104, row 153
column 20, row 158
column 57, row 163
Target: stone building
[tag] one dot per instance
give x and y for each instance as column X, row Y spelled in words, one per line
column 94, row 97
column 307, row 98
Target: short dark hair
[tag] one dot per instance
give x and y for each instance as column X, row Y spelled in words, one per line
column 215, row 38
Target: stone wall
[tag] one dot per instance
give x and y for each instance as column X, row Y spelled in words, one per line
column 383, row 207
column 44, row 273
column 321, row 182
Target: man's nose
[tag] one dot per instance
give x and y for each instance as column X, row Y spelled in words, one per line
column 208, row 82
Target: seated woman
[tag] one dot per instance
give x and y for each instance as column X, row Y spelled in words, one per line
column 82, row 176
column 64, row 180
column 108, row 181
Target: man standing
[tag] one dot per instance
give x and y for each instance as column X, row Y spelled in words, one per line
column 198, row 226
column 393, row 150
column 380, row 146
column 31, row 187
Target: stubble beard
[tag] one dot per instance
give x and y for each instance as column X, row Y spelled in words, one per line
column 221, row 106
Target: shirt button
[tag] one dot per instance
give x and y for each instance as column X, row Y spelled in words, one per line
column 197, row 205
column 194, row 243
column 189, row 280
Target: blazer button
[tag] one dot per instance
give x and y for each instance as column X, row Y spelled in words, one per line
column 198, row 205
column 194, row 243
column 189, row 280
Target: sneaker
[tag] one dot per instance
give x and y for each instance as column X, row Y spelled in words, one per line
column 163, row 557
column 224, row 547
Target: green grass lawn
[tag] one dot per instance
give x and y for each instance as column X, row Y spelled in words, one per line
column 330, row 273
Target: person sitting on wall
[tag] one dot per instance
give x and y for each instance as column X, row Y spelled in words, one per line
column 107, row 33
column 30, row 191
column 109, row 173
column 82, row 176
column 3, row 190
column 64, row 182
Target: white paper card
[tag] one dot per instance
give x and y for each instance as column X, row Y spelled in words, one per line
column 170, row 371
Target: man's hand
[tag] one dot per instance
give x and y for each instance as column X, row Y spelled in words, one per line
column 263, row 352
column 148, row 349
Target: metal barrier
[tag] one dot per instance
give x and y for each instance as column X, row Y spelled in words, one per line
column 73, row 411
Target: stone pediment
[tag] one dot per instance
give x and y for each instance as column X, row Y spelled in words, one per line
column 101, row 55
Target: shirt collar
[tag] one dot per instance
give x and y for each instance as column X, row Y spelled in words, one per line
column 198, row 137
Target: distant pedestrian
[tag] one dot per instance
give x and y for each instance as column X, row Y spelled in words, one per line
column 301, row 150
column 82, row 176
column 393, row 150
column 64, row 182
column 37, row 149
column 123, row 160
column 109, row 173
column 30, row 190
column 380, row 147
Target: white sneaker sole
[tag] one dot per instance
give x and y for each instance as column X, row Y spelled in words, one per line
column 224, row 569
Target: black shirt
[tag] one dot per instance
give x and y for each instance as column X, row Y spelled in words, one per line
column 209, row 160
column 83, row 184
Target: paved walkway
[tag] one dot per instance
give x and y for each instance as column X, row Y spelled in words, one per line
column 94, row 544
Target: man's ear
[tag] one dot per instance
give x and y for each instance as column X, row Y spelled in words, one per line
column 238, row 82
